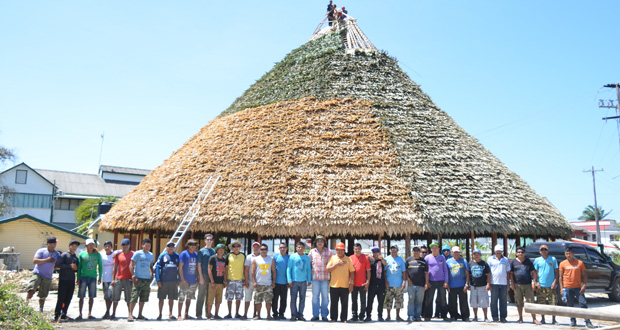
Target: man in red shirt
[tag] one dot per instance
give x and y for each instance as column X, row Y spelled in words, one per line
column 360, row 284
column 121, row 281
column 573, row 280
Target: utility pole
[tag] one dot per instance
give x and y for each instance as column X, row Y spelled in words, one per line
column 610, row 105
column 596, row 212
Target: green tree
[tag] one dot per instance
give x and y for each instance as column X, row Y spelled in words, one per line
column 87, row 212
column 589, row 215
column 5, row 156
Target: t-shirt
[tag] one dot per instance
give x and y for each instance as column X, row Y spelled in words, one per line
column 416, row 270
column 124, row 261
column 546, row 270
column 235, row 266
column 499, row 270
column 167, row 267
column 190, row 264
column 248, row 263
column 108, row 266
column 64, row 263
column 340, row 276
column 361, row 265
column 571, row 278
column 437, row 268
column 203, row 258
column 143, row 264
column 218, row 266
column 522, row 271
column 394, row 271
column 377, row 273
column 456, row 272
column 47, row 268
column 281, row 266
column 89, row 265
column 478, row 273
column 263, row 270
column 298, row 269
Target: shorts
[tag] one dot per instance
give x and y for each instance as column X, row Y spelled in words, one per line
column 215, row 294
column 263, row 293
column 393, row 298
column 91, row 284
column 248, row 292
column 121, row 286
column 479, row 297
column 38, row 282
column 142, row 290
column 168, row 290
column 523, row 291
column 107, row 291
column 546, row 296
column 234, row 291
column 187, row 292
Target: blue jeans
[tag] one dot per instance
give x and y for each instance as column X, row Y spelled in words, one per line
column 499, row 293
column 320, row 295
column 91, row 284
column 416, row 297
column 298, row 288
column 574, row 295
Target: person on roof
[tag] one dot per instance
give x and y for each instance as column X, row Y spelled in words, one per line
column 330, row 13
column 343, row 13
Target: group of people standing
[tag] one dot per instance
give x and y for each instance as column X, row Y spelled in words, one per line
column 427, row 277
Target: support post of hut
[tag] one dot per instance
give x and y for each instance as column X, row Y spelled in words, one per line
column 259, row 239
column 297, row 239
column 493, row 242
column 151, row 235
column 534, row 238
column 439, row 241
column 407, row 245
column 389, row 244
column 350, row 243
column 467, row 250
column 115, row 239
column 140, row 237
column 379, row 241
column 158, row 242
column 506, row 245
column 518, row 241
column 429, row 240
column 473, row 241
column 552, row 239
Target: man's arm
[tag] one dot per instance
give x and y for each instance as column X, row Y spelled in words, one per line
column 555, row 280
column 584, row 281
column 183, row 281
column 273, row 273
column 253, row 274
column 210, row 267
column 561, row 279
column 201, row 279
column 132, row 271
column 405, row 279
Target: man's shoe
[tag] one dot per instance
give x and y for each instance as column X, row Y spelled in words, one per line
column 325, row 319
column 228, row 316
column 590, row 325
column 301, row 319
column 293, row 319
column 314, row 318
column 399, row 319
column 573, row 323
column 354, row 319
column 447, row 319
column 368, row 319
column 281, row 317
column 427, row 319
column 503, row 321
column 381, row 319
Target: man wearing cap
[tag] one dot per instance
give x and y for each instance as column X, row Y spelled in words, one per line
column 299, row 277
column 203, row 267
column 480, row 285
column 248, row 290
column 122, row 282
column 279, row 292
column 89, row 274
column 141, row 269
column 188, row 273
column 521, row 274
column 376, row 285
column 342, row 274
column 360, row 286
column 67, row 265
column 167, row 276
column 235, row 273
column 573, row 281
column 438, row 278
column 500, row 266
column 395, row 280
column 218, row 277
column 417, row 272
column 547, row 279
column 107, row 259
column 320, row 256
column 44, row 263
column 458, row 281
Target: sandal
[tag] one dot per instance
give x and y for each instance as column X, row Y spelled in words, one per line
column 142, row 318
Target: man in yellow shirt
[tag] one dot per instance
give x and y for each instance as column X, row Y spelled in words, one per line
column 236, row 280
column 341, row 283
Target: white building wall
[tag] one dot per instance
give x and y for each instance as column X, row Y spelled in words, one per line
column 35, row 184
column 64, row 216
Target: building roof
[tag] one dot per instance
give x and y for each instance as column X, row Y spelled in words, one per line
column 33, row 170
column 85, row 185
column 26, row 216
column 123, row 170
column 590, row 226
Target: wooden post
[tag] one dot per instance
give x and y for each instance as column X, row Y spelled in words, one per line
column 506, row 245
column 518, row 240
column 439, row 242
column 534, row 238
column 115, row 246
column 467, row 250
column 389, row 244
column 158, row 242
column 379, row 241
column 571, row 312
column 140, row 237
column 429, row 241
column 407, row 245
column 259, row 239
column 493, row 242
column 552, row 239
column 473, row 241
column 350, row 243
column 151, row 235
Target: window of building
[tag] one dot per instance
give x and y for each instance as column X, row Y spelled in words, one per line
column 67, row 204
column 37, row 201
column 21, row 176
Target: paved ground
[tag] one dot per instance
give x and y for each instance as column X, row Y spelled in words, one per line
column 595, row 301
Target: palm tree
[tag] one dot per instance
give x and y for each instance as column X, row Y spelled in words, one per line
column 589, row 215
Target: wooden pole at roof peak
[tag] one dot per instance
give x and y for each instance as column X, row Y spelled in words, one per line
column 467, row 250
column 429, row 240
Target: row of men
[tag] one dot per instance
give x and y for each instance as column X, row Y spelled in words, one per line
column 267, row 279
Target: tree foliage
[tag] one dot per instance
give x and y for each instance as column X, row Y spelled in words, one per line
column 5, row 156
column 589, row 215
column 87, row 211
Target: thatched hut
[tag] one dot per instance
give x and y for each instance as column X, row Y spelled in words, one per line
column 338, row 141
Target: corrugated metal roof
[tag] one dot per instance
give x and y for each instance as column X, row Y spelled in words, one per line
column 123, row 170
column 85, row 184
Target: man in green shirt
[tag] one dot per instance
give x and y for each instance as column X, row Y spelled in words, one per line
column 90, row 268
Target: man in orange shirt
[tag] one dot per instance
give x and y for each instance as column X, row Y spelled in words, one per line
column 341, row 283
column 573, row 280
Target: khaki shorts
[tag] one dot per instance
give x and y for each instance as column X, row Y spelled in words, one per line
column 215, row 294
column 263, row 293
column 38, row 282
column 187, row 292
column 393, row 298
column 523, row 291
column 546, row 296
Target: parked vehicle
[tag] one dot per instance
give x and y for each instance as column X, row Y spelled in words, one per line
column 603, row 274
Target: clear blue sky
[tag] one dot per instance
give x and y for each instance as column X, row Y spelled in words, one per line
column 523, row 77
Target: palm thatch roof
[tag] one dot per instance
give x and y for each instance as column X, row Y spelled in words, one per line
column 301, row 153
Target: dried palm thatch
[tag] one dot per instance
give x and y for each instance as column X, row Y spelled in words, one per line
column 440, row 179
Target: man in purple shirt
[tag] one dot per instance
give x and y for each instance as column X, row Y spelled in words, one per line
column 44, row 263
column 438, row 278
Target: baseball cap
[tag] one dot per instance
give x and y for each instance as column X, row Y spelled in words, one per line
column 544, row 246
column 220, row 246
column 74, row 242
column 318, row 237
column 456, row 249
column 255, row 244
column 125, row 241
column 52, row 239
column 433, row 244
column 171, row 243
column 375, row 249
column 89, row 241
column 477, row 251
column 393, row 247
column 499, row 247
column 340, row 246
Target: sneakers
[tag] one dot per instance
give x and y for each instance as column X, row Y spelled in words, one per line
column 314, row 318
column 589, row 324
column 368, row 319
column 573, row 323
column 503, row 321
column 325, row 319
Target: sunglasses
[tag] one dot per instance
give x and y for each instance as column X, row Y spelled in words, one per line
column 544, row 250
column 519, row 252
column 192, row 244
column 208, row 239
column 264, row 249
column 124, row 244
column 282, row 247
column 236, row 246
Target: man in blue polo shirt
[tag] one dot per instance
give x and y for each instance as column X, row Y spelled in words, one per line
column 279, row 292
column 458, row 280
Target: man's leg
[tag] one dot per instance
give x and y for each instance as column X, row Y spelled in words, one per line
column 463, row 305
column 363, row 297
column 494, row 302
column 200, row 299
column 62, row 291
column 344, row 304
column 380, row 301
column 90, row 306
column 372, row 292
column 354, row 315
column 442, row 302
column 428, row 307
column 503, row 303
column 324, row 298
column 452, row 303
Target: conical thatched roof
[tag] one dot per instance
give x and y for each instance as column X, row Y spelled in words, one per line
column 336, row 142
